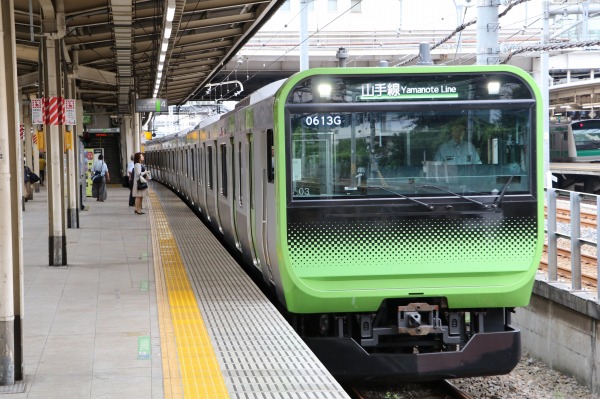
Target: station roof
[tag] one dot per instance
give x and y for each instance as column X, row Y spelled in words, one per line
column 113, row 46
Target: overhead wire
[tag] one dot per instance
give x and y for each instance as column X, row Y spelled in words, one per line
column 297, row 45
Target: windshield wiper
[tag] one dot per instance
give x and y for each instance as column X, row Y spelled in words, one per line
column 498, row 200
column 430, row 207
column 455, row 194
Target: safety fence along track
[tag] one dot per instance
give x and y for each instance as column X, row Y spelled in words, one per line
column 580, row 230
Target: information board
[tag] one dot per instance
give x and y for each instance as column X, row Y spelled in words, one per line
column 151, row 105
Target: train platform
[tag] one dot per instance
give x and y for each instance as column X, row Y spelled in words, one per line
column 152, row 306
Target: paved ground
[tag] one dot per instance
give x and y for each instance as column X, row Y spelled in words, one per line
column 91, row 328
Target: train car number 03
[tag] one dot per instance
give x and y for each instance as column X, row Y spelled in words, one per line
column 323, row 120
column 304, row 191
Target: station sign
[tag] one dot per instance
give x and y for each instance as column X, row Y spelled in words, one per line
column 151, row 105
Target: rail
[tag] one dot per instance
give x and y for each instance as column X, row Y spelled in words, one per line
column 571, row 233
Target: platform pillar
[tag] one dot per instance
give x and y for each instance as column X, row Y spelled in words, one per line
column 57, row 243
column 11, row 189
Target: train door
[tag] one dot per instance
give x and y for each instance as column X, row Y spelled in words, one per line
column 185, row 176
column 253, row 176
column 236, row 194
column 559, row 143
column 202, row 179
column 194, row 175
column 263, row 175
column 224, row 195
column 180, row 170
column 211, row 186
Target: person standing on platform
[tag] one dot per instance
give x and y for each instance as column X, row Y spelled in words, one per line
column 130, row 180
column 42, row 169
column 138, row 171
column 27, row 181
column 100, row 177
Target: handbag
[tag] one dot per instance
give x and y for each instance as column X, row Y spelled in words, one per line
column 97, row 177
column 33, row 178
column 142, row 184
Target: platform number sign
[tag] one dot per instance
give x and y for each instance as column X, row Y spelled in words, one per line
column 152, row 105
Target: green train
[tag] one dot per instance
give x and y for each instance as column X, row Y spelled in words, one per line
column 396, row 213
column 577, row 141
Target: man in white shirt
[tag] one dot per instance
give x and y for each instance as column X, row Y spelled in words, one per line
column 457, row 151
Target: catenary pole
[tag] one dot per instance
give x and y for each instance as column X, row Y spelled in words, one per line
column 488, row 48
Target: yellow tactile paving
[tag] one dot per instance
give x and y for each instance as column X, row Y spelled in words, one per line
column 190, row 367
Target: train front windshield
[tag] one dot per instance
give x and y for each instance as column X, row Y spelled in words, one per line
column 384, row 149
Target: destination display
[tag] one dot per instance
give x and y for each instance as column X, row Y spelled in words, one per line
column 397, row 90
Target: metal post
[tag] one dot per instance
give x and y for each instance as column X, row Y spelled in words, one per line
column 552, row 238
column 342, row 55
column 424, row 54
column 29, row 161
column 81, row 178
column 71, row 148
column 488, row 48
column 544, row 87
column 304, row 34
column 575, row 200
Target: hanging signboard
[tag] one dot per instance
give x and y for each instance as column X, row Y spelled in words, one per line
column 151, row 105
column 70, row 112
column 37, row 111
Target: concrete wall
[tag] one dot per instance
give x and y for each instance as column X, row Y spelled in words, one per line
column 561, row 329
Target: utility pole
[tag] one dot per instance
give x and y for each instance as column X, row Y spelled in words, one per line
column 488, row 48
column 304, row 34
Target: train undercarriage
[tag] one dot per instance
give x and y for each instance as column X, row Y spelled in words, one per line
column 413, row 341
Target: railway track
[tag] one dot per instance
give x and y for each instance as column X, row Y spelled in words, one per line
column 433, row 390
column 586, row 277
column 588, row 220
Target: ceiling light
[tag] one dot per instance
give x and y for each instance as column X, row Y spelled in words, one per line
column 161, row 66
column 170, row 10
column 162, row 57
column 165, row 45
column 168, row 30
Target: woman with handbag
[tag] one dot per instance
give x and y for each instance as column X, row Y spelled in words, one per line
column 140, row 186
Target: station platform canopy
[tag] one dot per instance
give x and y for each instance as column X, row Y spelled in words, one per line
column 119, row 49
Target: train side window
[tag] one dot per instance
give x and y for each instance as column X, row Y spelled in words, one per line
column 270, row 157
column 209, row 150
column 224, row 170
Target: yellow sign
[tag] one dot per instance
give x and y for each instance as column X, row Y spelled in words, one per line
column 68, row 140
column 41, row 142
column 148, row 135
